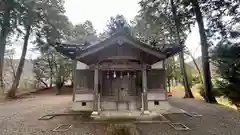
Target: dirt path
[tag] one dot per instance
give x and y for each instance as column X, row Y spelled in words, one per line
column 20, row 117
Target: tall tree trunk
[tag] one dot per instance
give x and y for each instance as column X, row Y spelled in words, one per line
column 188, row 92
column 12, row 91
column 51, row 81
column 4, row 32
column 205, row 56
column 51, row 75
column 50, row 65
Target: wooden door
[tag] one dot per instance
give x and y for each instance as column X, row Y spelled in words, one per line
column 121, row 88
column 124, row 89
column 115, row 87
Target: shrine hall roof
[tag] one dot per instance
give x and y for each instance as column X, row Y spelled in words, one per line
column 78, row 49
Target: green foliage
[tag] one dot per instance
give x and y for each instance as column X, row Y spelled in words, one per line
column 45, row 20
column 189, row 75
column 158, row 25
column 55, row 25
column 170, row 67
column 63, row 70
column 229, row 90
column 155, row 22
column 86, row 29
column 9, row 18
column 222, row 16
column 51, row 65
column 83, row 34
column 44, row 68
column 216, row 91
column 225, row 57
column 173, row 71
column 117, row 24
column 196, row 80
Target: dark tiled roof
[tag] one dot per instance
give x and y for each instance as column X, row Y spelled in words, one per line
column 72, row 48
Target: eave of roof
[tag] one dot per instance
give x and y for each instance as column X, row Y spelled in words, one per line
column 78, row 51
column 125, row 39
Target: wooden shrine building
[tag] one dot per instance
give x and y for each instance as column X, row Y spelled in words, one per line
column 117, row 74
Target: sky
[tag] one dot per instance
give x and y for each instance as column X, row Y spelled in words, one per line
column 100, row 11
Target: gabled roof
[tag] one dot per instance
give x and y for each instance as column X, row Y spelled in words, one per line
column 79, row 51
column 120, row 38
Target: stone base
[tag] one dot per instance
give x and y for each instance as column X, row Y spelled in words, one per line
column 128, row 115
column 146, row 112
column 94, row 114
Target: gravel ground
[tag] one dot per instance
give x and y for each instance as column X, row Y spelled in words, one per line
column 215, row 120
column 20, row 117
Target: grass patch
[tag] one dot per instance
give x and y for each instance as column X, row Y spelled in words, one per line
column 178, row 91
column 224, row 101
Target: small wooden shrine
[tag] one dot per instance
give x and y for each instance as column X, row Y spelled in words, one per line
column 117, row 74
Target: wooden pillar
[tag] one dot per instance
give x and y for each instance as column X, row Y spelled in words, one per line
column 74, row 78
column 165, row 81
column 144, row 86
column 95, row 104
